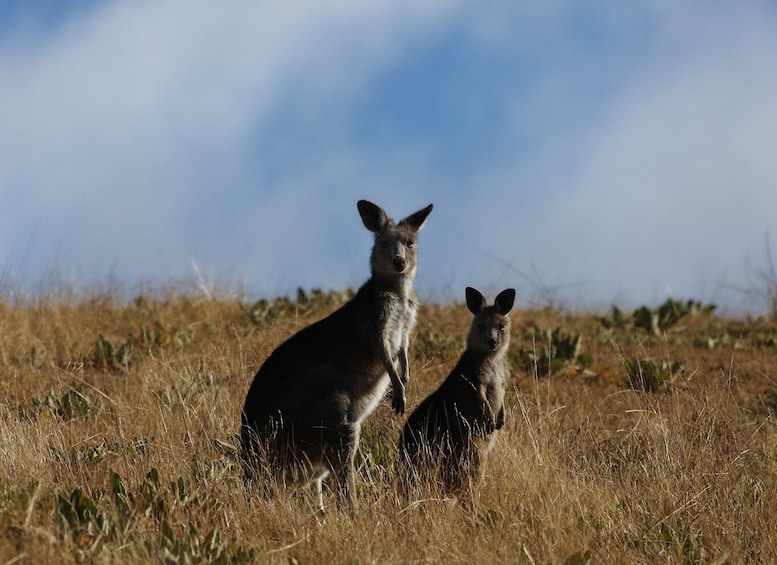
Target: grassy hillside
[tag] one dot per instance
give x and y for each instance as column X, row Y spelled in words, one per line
column 643, row 436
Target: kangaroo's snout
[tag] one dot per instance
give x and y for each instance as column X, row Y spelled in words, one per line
column 494, row 339
column 399, row 264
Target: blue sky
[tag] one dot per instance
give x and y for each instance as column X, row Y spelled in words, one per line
column 598, row 153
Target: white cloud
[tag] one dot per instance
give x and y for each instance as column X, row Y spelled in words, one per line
column 679, row 183
column 631, row 152
column 642, row 177
column 131, row 131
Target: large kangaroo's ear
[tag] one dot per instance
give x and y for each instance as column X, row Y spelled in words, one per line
column 416, row 219
column 475, row 301
column 373, row 216
column 504, row 301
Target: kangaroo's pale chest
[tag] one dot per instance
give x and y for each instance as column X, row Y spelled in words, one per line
column 400, row 317
column 493, row 375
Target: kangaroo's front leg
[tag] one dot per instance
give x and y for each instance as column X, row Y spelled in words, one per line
column 385, row 353
column 398, row 387
column 404, row 366
column 500, row 418
column 398, row 390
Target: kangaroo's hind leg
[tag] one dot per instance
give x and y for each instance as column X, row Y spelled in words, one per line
column 327, row 438
column 341, row 460
column 330, row 454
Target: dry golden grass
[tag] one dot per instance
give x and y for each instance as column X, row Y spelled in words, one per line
column 118, row 423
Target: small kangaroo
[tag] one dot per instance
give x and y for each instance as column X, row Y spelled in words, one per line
column 303, row 413
column 448, row 436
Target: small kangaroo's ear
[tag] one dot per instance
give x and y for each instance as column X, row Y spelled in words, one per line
column 504, row 301
column 416, row 219
column 475, row 301
column 373, row 216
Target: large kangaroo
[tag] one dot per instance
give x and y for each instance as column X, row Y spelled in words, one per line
column 303, row 413
column 448, row 436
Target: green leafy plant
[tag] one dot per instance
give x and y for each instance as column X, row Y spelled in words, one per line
column 190, row 546
column 655, row 320
column 559, row 350
column 716, row 341
column 766, row 338
column 428, row 343
column 666, row 315
column 265, row 311
column 107, row 356
column 159, row 335
column 617, row 319
column 71, row 405
column 91, row 527
column 647, row 375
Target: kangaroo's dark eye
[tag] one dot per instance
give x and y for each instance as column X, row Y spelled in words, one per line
column 411, row 244
column 501, row 328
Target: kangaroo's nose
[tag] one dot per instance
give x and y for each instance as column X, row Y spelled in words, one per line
column 399, row 264
column 492, row 343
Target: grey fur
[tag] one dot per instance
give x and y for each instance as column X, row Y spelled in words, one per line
column 303, row 413
column 448, row 436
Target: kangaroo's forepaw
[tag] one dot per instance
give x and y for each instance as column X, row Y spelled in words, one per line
column 398, row 401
